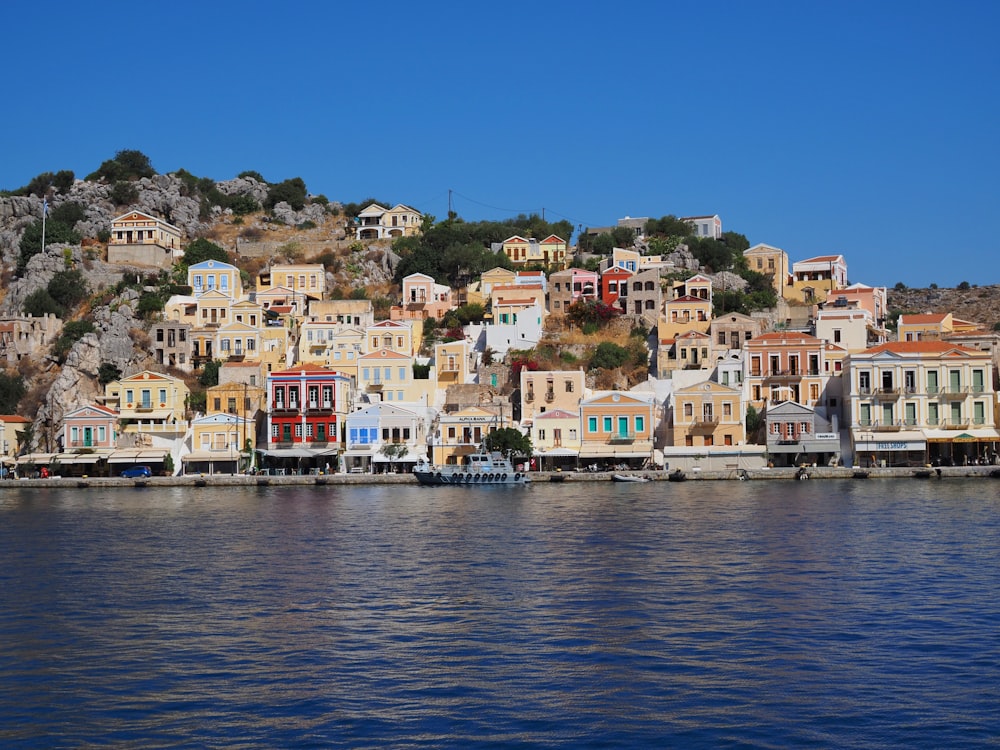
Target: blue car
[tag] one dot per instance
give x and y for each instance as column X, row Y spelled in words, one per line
column 137, row 471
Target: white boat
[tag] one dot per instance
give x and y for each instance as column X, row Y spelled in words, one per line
column 628, row 478
column 476, row 470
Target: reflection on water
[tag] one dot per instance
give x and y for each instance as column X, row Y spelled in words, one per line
column 762, row 614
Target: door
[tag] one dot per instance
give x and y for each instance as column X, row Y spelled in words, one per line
column 88, row 437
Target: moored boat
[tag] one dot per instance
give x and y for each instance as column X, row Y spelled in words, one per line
column 628, row 478
column 478, row 469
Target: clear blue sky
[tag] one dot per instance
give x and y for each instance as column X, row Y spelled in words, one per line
column 868, row 129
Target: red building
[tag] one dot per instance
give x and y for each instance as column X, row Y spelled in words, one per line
column 614, row 286
column 306, row 407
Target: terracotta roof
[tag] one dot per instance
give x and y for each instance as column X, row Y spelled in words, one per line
column 925, row 318
column 13, row 418
column 822, row 259
column 921, row 347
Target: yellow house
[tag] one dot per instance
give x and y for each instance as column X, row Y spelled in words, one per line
column 237, row 340
column 275, row 349
column 491, row 279
column 213, row 275
column 377, row 222
column 814, row 279
column 150, row 403
column 386, row 375
column 138, row 238
column 461, row 433
column 543, row 391
column 247, row 312
column 219, row 444
column 213, row 309
column 344, row 348
column 11, row 427
column 687, row 313
column 395, row 335
column 344, row 312
column 617, row 427
column 308, row 279
column 770, row 261
column 451, row 363
column 707, row 414
column 555, row 438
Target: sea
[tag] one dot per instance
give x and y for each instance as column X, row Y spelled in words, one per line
column 760, row 614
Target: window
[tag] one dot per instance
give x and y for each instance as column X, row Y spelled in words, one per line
column 640, row 425
column 298, row 430
column 688, row 409
column 606, row 424
column 541, row 434
column 591, row 424
column 727, row 409
column 101, row 434
column 978, row 412
column 865, row 414
column 932, row 414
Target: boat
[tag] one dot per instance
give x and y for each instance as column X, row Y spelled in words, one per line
column 676, row 476
column 478, row 469
column 628, row 478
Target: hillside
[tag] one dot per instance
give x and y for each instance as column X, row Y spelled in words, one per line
column 980, row 304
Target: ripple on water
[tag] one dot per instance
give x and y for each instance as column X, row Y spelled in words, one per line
column 697, row 614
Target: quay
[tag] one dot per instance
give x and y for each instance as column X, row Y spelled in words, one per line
column 537, row 477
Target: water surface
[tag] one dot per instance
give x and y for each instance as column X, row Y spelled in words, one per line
column 703, row 614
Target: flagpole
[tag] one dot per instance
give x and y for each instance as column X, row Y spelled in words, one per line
column 45, row 211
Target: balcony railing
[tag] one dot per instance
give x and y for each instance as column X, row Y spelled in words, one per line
column 529, row 396
column 622, row 437
column 550, row 396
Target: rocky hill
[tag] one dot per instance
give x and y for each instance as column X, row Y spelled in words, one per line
column 980, row 304
column 58, row 381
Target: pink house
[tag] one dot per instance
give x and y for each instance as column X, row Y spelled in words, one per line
column 90, row 426
column 422, row 299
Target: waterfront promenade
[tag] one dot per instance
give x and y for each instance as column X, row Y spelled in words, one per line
column 537, row 478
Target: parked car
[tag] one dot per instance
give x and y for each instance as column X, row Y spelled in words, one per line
column 137, row 471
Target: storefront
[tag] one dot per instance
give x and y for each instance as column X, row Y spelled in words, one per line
column 903, row 448
column 967, row 448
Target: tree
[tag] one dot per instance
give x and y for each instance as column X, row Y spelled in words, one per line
column 393, row 451
column 201, row 250
column 12, row 390
column 753, row 421
column 123, row 193
column 128, row 164
column 71, row 333
column 608, row 356
column 68, row 288
column 108, row 373
column 508, row 441
column 56, row 232
column 292, row 192
column 668, row 226
column 251, row 174
column 210, row 374
column 40, row 303
column 26, row 439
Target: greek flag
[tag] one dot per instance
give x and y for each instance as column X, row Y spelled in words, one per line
column 45, row 206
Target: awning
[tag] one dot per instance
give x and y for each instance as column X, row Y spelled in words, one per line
column 980, row 435
column 297, row 452
column 158, row 415
column 78, row 458
column 137, row 455
column 210, row 456
column 557, row 452
column 614, row 451
column 36, row 458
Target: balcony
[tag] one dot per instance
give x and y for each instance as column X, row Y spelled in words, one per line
column 529, row 396
column 887, row 426
column 550, row 396
column 622, row 438
column 888, row 393
column 318, row 407
column 282, row 409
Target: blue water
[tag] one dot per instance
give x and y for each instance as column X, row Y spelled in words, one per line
column 860, row 614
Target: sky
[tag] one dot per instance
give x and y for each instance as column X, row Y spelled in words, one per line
column 866, row 129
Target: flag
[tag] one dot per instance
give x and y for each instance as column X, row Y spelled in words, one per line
column 45, row 206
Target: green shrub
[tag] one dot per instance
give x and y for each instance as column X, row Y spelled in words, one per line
column 123, row 193
column 40, row 303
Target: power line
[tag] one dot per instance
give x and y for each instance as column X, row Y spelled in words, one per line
column 496, row 208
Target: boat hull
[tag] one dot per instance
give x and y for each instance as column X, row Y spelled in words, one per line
column 470, row 479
